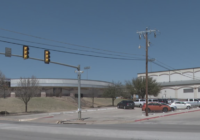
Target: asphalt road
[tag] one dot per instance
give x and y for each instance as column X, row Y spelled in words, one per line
column 24, row 131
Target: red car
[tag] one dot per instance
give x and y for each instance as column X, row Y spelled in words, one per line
column 156, row 107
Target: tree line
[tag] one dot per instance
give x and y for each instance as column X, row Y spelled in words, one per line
column 29, row 88
column 137, row 86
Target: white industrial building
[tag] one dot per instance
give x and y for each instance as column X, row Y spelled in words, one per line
column 181, row 83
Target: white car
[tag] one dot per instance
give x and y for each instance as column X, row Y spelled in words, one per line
column 139, row 102
column 181, row 105
column 173, row 107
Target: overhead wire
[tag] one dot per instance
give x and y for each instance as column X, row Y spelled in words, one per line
column 70, row 52
column 67, row 43
column 64, row 47
column 175, row 69
column 172, row 70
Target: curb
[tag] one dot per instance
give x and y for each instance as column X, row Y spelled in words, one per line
column 88, row 110
column 165, row 115
column 24, row 120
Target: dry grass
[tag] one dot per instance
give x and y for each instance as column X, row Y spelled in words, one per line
column 51, row 104
column 48, row 104
column 102, row 101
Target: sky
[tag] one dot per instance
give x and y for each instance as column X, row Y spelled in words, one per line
column 101, row 28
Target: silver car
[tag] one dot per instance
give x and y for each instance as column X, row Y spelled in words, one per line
column 173, row 107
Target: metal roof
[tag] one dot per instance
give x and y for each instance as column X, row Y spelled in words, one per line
column 65, row 83
column 171, row 70
column 179, row 83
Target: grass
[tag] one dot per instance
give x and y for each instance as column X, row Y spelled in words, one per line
column 102, row 101
column 48, row 104
column 51, row 104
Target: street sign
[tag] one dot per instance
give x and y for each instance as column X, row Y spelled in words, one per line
column 8, row 52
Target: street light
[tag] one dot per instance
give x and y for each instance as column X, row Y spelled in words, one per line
column 79, row 91
column 87, row 68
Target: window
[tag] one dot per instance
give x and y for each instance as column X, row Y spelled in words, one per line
column 177, row 102
column 136, row 100
column 191, row 99
column 157, row 104
column 142, row 100
column 189, row 90
column 155, row 100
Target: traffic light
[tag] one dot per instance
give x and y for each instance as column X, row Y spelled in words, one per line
column 46, row 56
column 25, row 52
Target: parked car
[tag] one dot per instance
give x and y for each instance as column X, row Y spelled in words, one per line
column 171, row 100
column 163, row 101
column 153, row 100
column 173, row 107
column 139, row 102
column 181, row 105
column 193, row 102
column 154, row 106
column 125, row 104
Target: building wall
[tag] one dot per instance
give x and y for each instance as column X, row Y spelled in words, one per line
column 176, row 75
column 174, row 83
column 178, row 92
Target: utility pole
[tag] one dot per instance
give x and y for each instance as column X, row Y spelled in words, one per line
column 146, row 73
column 145, row 35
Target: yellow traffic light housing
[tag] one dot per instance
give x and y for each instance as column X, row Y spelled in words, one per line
column 25, row 52
column 46, row 56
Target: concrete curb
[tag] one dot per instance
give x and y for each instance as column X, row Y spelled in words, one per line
column 87, row 110
column 150, row 118
column 25, row 120
column 59, row 113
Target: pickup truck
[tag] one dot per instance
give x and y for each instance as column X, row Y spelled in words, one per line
column 140, row 102
column 193, row 102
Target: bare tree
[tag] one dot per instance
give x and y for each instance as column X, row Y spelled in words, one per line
column 112, row 91
column 27, row 89
column 92, row 93
column 3, row 84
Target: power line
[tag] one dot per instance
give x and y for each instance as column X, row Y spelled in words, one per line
column 172, row 70
column 64, row 47
column 175, row 69
column 69, row 52
column 66, row 42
